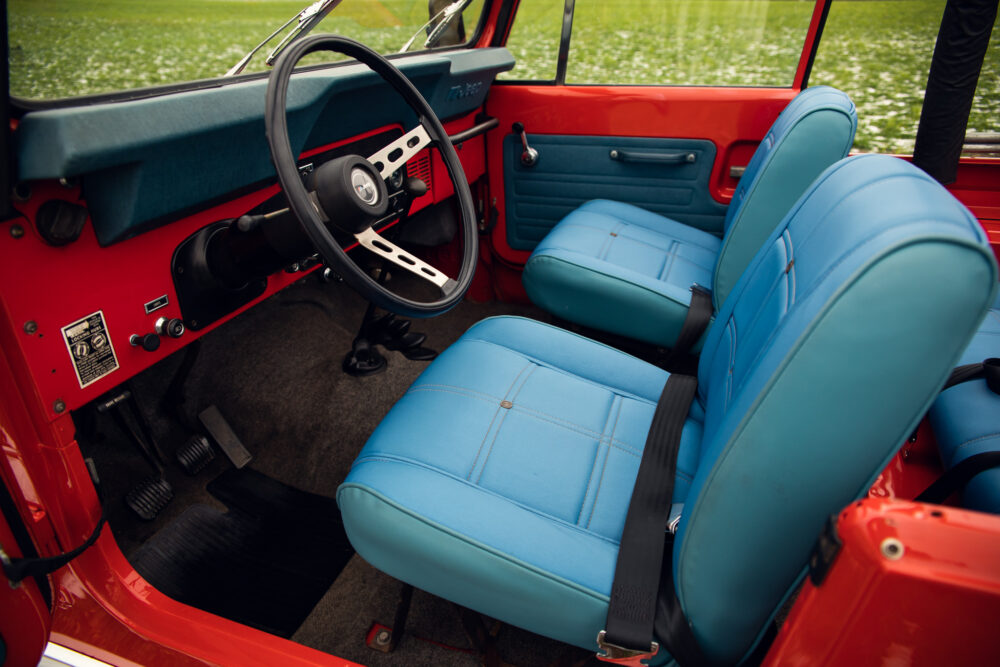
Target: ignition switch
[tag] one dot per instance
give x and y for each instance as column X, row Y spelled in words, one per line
column 172, row 327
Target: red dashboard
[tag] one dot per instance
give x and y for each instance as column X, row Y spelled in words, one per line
column 75, row 307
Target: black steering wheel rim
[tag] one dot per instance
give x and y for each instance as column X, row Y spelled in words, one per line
column 285, row 164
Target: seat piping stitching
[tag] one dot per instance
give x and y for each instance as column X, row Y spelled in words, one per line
column 496, row 434
column 604, row 467
column 613, row 409
column 475, row 461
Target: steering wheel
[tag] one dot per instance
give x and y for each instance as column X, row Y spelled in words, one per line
column 349, row 192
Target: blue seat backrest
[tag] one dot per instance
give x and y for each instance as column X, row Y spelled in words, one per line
column 815, row 130
column 819, row 364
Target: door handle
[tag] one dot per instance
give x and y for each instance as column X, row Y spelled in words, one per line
column 652, row 158
column 530, row 156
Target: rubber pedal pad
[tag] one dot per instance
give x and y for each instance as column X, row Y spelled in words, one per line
column 149, row 497
column 227, row 440
column 404, row 342
column 195, row 454
column 419, row 353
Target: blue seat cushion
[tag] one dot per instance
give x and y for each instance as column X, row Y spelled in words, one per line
column 531, row 472
column 966, row 419
column 620, row 268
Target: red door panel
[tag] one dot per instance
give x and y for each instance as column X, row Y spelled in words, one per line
column 734, row 119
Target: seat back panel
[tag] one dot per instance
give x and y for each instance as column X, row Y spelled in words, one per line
column 812, row 376
column 814, row 131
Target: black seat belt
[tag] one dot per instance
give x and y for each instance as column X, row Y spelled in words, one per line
column 699, row 316
column 988, row 368
column 628, row 637
column 955, row 478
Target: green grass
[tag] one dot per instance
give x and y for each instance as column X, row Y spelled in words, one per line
column 674, row 42
column 62, row 48
column 876, row 50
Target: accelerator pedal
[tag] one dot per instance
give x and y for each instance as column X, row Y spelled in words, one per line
column 149, row 497
column 195, row 454
column 220, row 431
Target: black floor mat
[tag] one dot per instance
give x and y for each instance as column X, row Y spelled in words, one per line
column 266, row 562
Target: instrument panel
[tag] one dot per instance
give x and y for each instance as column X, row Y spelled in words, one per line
column 84, row 317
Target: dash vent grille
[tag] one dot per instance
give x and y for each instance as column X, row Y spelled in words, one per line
column 419, row 166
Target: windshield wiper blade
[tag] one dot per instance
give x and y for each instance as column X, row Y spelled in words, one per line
column 444, row 18
column 307, row 20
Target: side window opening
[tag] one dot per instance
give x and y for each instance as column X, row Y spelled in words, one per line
column 877, row 51
column 655, row 42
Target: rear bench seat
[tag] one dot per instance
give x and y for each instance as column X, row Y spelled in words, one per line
column 966, row 419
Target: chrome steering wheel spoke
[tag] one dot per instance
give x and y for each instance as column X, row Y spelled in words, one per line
column 395, row 155
column 384, row 248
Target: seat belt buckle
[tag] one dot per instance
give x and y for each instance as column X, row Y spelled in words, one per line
column 700, row 289
column 619, row 655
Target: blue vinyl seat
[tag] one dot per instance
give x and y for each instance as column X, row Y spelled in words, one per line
column 966, row 419
column 501, row 479
column 619, row 268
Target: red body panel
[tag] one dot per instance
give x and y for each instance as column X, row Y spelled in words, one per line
column 937, row 604
column 24, row 614
column 978, row 187
column 914, row 467
column 99, row 596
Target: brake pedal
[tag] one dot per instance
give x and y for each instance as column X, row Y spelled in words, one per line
column 149, row 497
column 195, row 454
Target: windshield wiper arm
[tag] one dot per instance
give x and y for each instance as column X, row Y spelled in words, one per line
column 307, row 18
column 444, row 18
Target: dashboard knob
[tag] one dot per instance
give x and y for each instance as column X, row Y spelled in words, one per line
column 172, row 327
column 149, row 342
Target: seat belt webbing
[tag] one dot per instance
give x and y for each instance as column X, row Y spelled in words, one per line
column 636, row 588
column 699, row 316
column 958, row 476
column 988, row 368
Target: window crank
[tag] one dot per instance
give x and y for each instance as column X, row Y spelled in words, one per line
column 530, row 156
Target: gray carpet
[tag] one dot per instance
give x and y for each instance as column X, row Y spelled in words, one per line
column 275, row 374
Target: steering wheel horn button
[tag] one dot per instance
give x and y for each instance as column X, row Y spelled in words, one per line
column 364, row 186
column 350, row 192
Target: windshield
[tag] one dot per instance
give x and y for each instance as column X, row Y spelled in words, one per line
column 66, row 48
